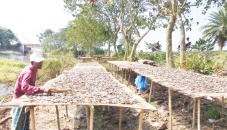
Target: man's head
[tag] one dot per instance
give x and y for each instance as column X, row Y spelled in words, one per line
column 36, row 60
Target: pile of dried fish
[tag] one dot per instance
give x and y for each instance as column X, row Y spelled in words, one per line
column 186, row 82
column 90, row 83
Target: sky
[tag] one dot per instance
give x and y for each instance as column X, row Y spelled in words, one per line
column 28, row 18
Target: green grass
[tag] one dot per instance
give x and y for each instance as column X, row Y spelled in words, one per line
column 10, row 69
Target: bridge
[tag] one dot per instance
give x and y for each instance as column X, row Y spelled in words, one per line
column 27, row 47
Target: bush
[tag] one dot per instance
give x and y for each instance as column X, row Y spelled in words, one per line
column 54, row 65
column 213, row 113
column 159, row 57
column 10, row 70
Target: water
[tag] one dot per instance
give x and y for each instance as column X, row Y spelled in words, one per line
column 24, row 59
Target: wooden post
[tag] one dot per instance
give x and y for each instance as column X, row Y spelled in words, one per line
column 126, row 70
column 129, row 76
column 151, row 86
column 58, row 121
column 194, row 113
column 122, row 74
column 223, row 107
column 120, row 117
column 91, row 117
column 141, row 119
column 170, row 109
column 32, row 114
column 198, row 114
column 117, row 72
column 87, row 116
column 66, row 110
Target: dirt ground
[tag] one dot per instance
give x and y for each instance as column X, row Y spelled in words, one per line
column 108, row 118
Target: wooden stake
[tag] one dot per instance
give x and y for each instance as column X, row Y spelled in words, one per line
column 198, row 114
column 126, row 70
column 223, row 107
column 141, row 119
column 120, row 117
column 194, row 113
column 32, row 114
column 66, row 110
column 122, row 74
column 58, row 121
column 87, row 116
column 91, row 117
column 151, row 86
column 129, row 76
column 170, row 109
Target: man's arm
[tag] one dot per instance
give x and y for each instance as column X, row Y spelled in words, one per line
column 27, row 88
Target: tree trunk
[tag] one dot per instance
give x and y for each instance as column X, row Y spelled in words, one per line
column 109, row 48
column 169, row 53
column 182, row 41
column 133, row 52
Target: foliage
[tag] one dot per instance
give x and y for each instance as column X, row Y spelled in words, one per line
column 199, row 62
column 10, row 70
column 216, row 30
column 55, row 64
column 213, row 113
column 159, row 57
column 203, row 45
column 7, row 38
column 87, row 33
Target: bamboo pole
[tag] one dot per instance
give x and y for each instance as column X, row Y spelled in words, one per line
column 170, row 109
column 58, row 121
column 126, row 70
column 151, row 86
column 122, row 74
column 91, row 117
column 120, row 117
column 223, row 107
column 87, row 116
column 66, row 110
column 129, row 76
column 141, row 119
column 198, row 114
column 194, row 113
column 32, row 113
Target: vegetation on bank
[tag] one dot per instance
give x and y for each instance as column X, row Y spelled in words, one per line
column 200, row 62
column 10, row 70
column 54, row 65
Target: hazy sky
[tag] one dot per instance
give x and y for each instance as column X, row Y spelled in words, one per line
column 26, row 18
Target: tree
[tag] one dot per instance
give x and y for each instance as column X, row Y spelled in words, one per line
column 87, row 32
column 7, row 38
column 216, row 29
column 203, row 45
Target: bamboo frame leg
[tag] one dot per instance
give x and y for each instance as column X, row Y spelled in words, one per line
column 152, row 84
column 32, row 114
column 223, row 107
column 91, row 117
column 120, row 117
column 126, row 73
column 58, row 121
column 122, row 74
column 117, row 72
column 66, row 110
column 170, row 109
column 198, row 114
column 87, row 116
column 141, row 119
column 129, row 76
column 194, row 113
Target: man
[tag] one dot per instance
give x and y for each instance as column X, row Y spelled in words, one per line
column 25, row 84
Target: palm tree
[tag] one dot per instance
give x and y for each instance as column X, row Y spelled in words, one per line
column 216, row 28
